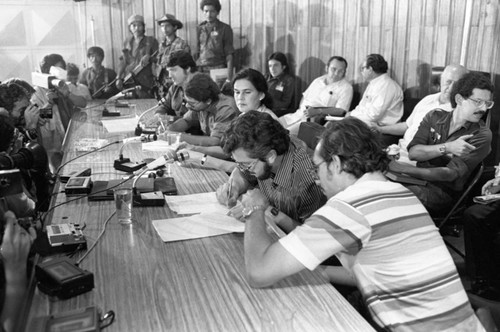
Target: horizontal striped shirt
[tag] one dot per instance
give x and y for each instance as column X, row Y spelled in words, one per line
column 384, row 236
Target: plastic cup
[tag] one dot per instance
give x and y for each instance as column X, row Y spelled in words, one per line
column 173, row 138
column 123, row 201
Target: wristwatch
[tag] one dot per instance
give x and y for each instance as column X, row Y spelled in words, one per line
column 248, row 210
column 442, row 149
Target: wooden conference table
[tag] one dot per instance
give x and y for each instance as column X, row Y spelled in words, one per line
column 196, row 285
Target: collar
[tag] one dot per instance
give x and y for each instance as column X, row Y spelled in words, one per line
column 283, row 175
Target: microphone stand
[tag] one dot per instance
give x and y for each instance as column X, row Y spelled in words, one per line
column 124, row 164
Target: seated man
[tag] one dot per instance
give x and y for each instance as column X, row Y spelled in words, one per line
column 74, row 86
column 441, row 100
column 382, row 102
column 207, row 108
column 330, row 94
column 181, row 68
column 98, row 78
column 482, row 244
column 382, row 235
column 449, row 145
column 266, row 157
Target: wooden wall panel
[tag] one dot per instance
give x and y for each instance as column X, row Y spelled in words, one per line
column 412, row 35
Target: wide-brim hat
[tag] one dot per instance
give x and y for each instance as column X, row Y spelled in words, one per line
column 135, row 18
column 170, row 19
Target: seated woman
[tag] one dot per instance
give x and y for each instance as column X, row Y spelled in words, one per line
column 250, row 94
column 281, row 84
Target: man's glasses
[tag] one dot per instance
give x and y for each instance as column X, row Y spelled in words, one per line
column 190, row 103
column 315, row 169
column 480, row 103
column 246, row 167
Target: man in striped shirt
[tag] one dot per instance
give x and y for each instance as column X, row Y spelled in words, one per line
column 387, row 243
column 279, row 166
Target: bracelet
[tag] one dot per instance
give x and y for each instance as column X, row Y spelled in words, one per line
column 203, row 159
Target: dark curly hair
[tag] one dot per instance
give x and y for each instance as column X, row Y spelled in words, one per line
column 202, row 88
column 257, row 133
column 9, row 94
column 182, row 59
column 258, row 81
column 377, row 62
column 6, row 133
column 467, row 83
column 358, row 147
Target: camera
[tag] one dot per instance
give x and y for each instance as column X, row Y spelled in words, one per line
column 46, row 81
column 26, row 223
column 46, row 113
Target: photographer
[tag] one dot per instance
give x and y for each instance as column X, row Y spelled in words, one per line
column 14, row 250
column 60, row 103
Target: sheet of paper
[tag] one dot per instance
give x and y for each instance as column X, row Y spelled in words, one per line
column 196, row 203
column 120, row 125
column 197, row 226
column 159, row 145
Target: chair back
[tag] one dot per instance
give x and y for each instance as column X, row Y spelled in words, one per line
column 460, row 203
column 309, row 133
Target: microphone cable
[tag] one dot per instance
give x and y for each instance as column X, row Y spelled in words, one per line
column 42, row 219
column 56, row 175
column 101, row 233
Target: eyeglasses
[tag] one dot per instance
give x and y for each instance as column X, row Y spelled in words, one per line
column 363, row 68
column 480, row 103
column 191, row 104
column 246, row 167
column 314, row 171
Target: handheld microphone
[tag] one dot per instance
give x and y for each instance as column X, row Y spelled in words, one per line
column 170, row 157
column 123, row 93
column 135, row 88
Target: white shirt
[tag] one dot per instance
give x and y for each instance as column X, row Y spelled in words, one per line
column 319, row 94
column 79, row 90
column 382, row 102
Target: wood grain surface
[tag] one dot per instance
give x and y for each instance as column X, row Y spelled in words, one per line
column 196, row 285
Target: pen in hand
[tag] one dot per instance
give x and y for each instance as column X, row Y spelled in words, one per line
column 230, row 188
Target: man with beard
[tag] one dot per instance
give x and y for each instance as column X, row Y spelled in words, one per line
column 387, row 243
column 449, row 145
column 267, row 158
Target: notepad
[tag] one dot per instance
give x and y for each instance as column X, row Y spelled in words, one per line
column 197, row 226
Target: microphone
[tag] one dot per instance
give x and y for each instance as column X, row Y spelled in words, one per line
column 124, row 164
column 123, row 93
column 135, row 88
column 170, row 157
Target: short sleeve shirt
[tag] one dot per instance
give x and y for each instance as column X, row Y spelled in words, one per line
column 434, row 130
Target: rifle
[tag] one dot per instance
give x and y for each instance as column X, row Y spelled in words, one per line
column 138, row 69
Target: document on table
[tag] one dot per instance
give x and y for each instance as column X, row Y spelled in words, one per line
column 120, row 125
column 197, row 226
column 159, row 145
column 196, row 203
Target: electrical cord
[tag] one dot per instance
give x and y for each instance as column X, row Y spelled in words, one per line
column 97, row 239
column 82, row 155
column 42, row 219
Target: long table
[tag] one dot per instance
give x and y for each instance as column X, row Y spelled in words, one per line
column 196, row 285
